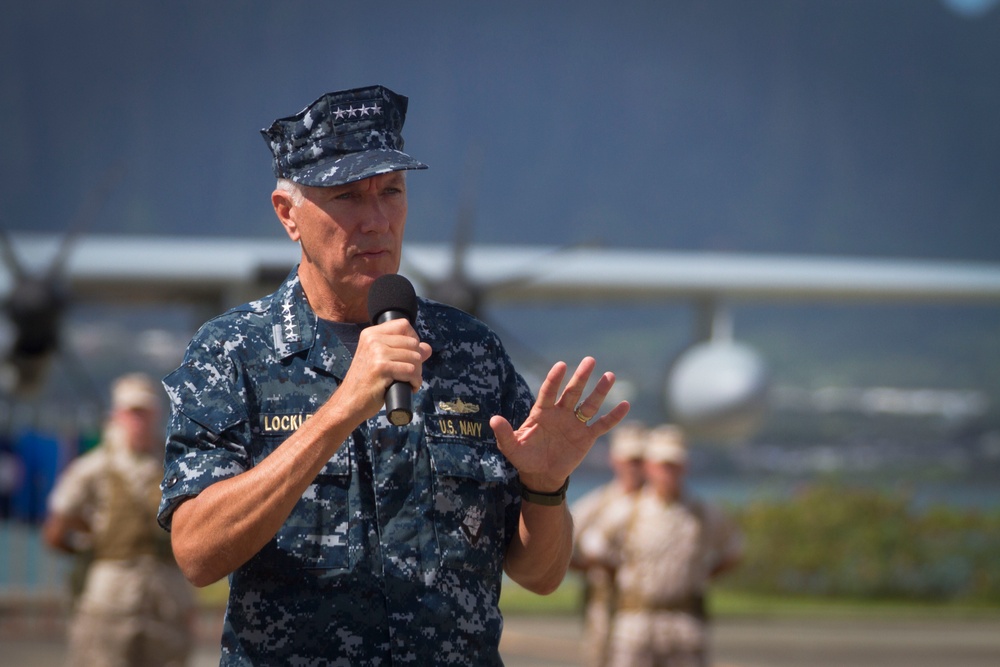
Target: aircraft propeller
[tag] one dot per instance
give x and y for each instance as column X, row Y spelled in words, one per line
column 37, row 303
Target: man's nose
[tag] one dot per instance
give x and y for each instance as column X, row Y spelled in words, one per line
column 375, row 217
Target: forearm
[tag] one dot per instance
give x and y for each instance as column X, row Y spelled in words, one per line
column 538, row 557
column 219, row 530
column 724, row 566
column 66, row 533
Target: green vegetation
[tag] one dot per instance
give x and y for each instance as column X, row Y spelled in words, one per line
column 567, row 599
column 840, row 551
column 724, row 601
column 860, row 544
column 214, row 595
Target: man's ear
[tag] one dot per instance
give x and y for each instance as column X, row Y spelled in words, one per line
column 283, row 207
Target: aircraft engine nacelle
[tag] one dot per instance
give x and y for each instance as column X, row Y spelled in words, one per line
column 718, row 390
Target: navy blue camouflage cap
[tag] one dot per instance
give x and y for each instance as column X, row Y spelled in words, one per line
column 342, row 137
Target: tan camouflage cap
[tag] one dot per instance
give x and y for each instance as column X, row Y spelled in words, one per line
column 628, row 440
column 665, row 444
column 136, row 390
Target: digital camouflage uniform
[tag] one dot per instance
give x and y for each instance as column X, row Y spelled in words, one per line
column 663, row 554
column 135, row 608
column 393, row 556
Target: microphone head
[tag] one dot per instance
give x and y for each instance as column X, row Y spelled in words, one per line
column 392, row 292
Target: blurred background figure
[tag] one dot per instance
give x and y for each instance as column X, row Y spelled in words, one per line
column 132, row 606
column 665, row 551
column 590, row 512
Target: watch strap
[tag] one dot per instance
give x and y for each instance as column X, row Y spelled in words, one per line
column 557, row 497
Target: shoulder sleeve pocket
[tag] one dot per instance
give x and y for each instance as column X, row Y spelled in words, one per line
column 204, row 396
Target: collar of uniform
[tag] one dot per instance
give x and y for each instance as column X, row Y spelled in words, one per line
column 295, row 328
column 293, row 322
column 421, row 325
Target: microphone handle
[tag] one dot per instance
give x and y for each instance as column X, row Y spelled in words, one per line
column 398, row 401
column 399, row 395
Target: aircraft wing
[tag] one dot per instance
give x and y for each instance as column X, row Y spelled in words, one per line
column 226, row 271
column 154, row 269
column 525, row 273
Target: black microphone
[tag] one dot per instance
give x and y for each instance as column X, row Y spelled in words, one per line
column 392, row 298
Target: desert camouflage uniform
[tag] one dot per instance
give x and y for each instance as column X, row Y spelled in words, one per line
column 605, row 505
column 393, row 555
column 135, row 609
column 664, row 554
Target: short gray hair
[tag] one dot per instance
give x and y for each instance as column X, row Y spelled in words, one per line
column 293, row 189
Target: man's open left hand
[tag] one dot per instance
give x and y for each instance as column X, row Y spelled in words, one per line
column 561, row 427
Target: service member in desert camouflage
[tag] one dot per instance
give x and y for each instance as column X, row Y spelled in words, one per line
column 593, row 510
column 348, row 540
column 665, row 552
column 135, row 608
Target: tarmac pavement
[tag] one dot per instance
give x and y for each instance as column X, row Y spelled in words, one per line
column 554, row 641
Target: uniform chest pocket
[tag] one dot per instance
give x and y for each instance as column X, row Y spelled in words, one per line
column 468, row 503
column 316, row 533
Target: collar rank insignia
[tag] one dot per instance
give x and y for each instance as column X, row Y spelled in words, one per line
column 458, row 407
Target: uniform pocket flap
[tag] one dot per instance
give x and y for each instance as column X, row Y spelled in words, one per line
column 453, row 458
column 202, row 395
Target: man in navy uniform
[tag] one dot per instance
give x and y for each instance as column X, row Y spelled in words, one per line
column 349, row 540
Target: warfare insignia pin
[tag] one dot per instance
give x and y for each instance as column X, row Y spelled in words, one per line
column 458, row 407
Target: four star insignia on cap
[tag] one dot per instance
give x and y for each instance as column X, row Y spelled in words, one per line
column 352, row 112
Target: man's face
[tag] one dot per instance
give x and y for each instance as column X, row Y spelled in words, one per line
column 629, row 472
column 141, row 427
column 351, row 234
column 665, row 478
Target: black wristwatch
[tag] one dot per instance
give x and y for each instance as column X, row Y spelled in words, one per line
column 557, row 497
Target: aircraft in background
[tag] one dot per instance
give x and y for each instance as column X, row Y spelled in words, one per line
column 716, row 388
column 36, row 298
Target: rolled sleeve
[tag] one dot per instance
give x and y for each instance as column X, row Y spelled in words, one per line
column 72, row 494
